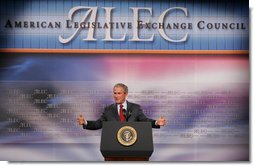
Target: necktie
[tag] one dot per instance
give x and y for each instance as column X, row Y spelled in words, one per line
column 122, row 118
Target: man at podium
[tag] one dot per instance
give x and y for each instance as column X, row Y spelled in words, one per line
column 122, row 110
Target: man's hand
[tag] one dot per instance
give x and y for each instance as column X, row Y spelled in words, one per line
column 81, row 120
column 161, row 121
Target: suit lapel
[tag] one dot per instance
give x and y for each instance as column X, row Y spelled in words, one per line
column 129, row 108
column 115, row 112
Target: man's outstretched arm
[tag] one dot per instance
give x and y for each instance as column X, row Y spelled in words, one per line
column 91, row 125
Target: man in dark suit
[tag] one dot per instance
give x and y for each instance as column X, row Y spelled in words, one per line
column 121, row 110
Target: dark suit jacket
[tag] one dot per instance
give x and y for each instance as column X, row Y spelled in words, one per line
column 111, row 114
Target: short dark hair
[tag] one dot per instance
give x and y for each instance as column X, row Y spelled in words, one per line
column 125, row 88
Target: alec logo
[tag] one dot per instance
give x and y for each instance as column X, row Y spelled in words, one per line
column 91, row 24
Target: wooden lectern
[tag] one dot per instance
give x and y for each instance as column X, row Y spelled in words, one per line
column 113, row 150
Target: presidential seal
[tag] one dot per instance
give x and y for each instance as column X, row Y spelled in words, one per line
column 127, row 135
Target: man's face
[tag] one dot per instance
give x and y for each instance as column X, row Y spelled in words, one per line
column 119, row 95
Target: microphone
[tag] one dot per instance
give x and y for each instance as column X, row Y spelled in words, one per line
column 126, row 114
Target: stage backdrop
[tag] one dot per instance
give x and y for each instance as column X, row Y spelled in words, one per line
column 185, row 60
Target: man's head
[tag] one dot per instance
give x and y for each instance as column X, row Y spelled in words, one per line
column 120, row 93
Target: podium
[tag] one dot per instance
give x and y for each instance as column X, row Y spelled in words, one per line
column 113, row 150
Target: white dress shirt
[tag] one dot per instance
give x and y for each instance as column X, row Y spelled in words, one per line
column 124, row 107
